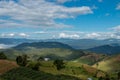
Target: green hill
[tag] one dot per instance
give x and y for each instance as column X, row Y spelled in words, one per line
column 57, row 53
column 110, row 64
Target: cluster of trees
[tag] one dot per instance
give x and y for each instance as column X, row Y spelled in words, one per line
column 23, row 61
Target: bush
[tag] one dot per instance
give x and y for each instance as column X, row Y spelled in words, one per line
column 2, row 56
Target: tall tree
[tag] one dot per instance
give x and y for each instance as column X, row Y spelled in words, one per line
column 59, row 64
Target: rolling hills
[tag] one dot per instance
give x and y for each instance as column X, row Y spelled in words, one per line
column 53, row 50
column 110, row 64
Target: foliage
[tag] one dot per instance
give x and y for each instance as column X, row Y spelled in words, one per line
column 2, row 56
column 59, row 64
column 23, row 73
column 34, row 65
column 22, row 60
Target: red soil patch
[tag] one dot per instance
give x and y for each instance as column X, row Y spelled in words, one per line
column 6, row 65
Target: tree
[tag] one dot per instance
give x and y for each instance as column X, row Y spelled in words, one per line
column 36, row 66
column 118, row 74
column 22, row 60
column 2, row 56
column 40, row 59
column 59, row 64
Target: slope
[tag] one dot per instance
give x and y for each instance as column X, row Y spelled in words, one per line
column 110, row 64
column 6, row 65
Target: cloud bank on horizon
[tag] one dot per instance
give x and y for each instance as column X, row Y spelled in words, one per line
column 44, row 19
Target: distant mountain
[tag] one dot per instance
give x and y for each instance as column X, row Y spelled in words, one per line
column 12, row 41
column 44, row 45
column 107, row 49
column 74, row 43
column 85, row 43
column 52, row 50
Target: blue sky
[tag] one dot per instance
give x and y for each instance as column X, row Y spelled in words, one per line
column 45, row 19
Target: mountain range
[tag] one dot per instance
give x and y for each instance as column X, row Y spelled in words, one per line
column 74, row 43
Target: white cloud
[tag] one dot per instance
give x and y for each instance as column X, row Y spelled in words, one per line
column 12, row 35
column 7, row 34
column 39, row 13
column 117, row 28
column 63, row 1
column 40, row 32
column 93, row 35
column 118, row 7
column 23, row 35
column 64, row 35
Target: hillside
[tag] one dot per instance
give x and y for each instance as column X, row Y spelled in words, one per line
column 90, row 58
column 106, row 49
column 53, row 50
column 76, row 69
column 29, row 74
column 56, row 53
column 110, row 64
column 72, row 71
column 6, row 65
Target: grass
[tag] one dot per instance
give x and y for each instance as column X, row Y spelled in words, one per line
column 72, row 69
column 111, row 64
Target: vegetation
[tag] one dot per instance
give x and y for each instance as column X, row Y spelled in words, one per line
column 65, row 63
column 2, row 56
column 59, row 64
column 23, row 73
column 22, row 60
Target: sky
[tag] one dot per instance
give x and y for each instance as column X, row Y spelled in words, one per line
column 48, row 19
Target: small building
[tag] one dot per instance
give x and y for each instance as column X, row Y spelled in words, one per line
column 89, row 78
column 46, row 59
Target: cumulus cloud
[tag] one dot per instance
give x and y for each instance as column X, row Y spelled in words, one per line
column 64, row 35
column 23, row 35
column 78, row 34
column 39, row 13
column 12, row 35
column 118, row 7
